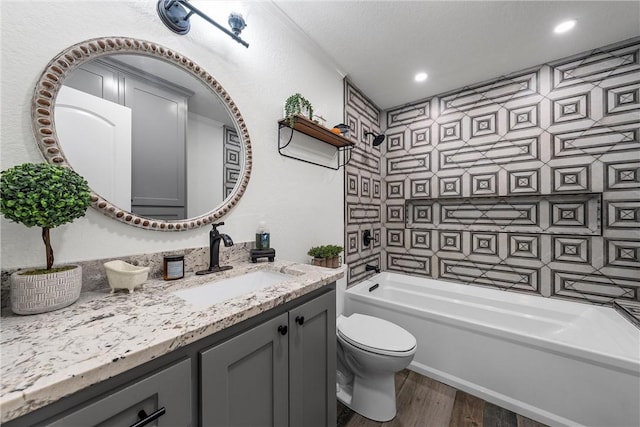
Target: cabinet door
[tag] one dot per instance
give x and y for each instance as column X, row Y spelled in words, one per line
column 244, row 381
column 158, row 151
column 312, row 363
column 167, row 392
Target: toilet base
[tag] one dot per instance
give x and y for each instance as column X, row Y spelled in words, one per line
column 345, row 394
column 372, row 397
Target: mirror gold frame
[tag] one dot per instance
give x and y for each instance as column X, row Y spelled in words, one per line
column 42, row 112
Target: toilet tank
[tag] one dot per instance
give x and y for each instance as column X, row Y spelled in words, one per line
column 341, row 287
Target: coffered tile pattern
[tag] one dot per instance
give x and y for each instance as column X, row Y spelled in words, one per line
column 527, row 183
column 364, row 187
column 232, row 152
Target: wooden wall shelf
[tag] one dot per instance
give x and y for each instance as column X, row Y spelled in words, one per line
column 306, row 126
column 321, row 133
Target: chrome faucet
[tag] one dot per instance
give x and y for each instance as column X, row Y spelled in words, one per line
column 370, row 267
column 214, row 250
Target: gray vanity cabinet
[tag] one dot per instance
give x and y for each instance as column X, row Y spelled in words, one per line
column 281, row 373
column 312, row 363
column 165, row 394
column 275, row 369
column 244, row 380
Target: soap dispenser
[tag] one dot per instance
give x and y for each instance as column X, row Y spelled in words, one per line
column 262, row 236
column 263, row 247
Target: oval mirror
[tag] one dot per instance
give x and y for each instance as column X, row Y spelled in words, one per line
column 161, row 143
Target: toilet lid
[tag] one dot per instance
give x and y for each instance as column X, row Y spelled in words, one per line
column 375, row 334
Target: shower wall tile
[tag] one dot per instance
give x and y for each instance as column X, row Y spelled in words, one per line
column 489, row 274
column 364, row 161
column 376, row 185
column 551, row 214
column 419, row 111
column 364, row 213
column 419, row 187
column 622, row 175
column 623, row 253
column 352, row 243
column 524, row 246
column 364, row 187
column 357, row 266
column 571, row 249
column 414, row 264
column 420, row 239
column 596, row 66
column 527, row 183
column 361, row 107
column 484, row 243
column 511, row 87
column 395, row 238
column 523, row 182
column 623, row 214
column 408, row 164
column 395, row 213
column 593, row 286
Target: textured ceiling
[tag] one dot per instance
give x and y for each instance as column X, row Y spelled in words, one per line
column 380, row 45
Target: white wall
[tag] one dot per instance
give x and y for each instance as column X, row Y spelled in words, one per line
column 302, row 204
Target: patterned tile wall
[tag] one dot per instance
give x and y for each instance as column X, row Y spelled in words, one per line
column 232, row 152
column 530, row 182
column 363, row 185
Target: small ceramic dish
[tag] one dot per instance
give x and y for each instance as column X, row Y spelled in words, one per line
column 122, row 275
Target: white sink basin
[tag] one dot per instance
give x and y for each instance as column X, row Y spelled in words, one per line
column 222, row 290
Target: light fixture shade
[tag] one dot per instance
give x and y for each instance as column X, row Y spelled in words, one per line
column 236, row 22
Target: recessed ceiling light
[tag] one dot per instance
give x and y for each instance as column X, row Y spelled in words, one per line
column 565, row 26
column 420, row 77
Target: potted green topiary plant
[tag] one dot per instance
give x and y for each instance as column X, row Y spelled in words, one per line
column 44, row 195
column 326, row 255
column 297, row 104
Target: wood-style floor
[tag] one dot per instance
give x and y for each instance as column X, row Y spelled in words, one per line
column 424, row 402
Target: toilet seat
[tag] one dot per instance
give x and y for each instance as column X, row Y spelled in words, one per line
column 375, row 335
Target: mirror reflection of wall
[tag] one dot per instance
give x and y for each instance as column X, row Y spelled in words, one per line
column 232, row 161
column 149, row 137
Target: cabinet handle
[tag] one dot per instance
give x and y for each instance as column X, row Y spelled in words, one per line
column 146, row 419
column 283, row 329
column 300, row 320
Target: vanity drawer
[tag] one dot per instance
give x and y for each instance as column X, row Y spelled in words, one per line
column 168, row 389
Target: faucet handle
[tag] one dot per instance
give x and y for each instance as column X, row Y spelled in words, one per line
column 215, row 226
column 370, row 267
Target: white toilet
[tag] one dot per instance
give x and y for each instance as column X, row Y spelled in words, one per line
column 370, row 352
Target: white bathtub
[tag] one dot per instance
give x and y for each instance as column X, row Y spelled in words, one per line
column 558, row 362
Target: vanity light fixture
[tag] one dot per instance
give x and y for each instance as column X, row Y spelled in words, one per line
column 565, row 26
column 175, row 16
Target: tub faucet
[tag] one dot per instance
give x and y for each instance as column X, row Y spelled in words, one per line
column 370, row 267
column 214, row 250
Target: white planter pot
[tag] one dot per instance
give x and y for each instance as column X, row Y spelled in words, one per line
column 39, row 293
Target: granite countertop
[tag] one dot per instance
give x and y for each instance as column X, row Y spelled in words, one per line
column 51, row 355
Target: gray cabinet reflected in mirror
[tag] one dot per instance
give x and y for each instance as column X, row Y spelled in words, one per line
column 161, row 143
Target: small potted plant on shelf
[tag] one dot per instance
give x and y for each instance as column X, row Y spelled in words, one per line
column 325, row 256
column 44, row 195
column 297, row 104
